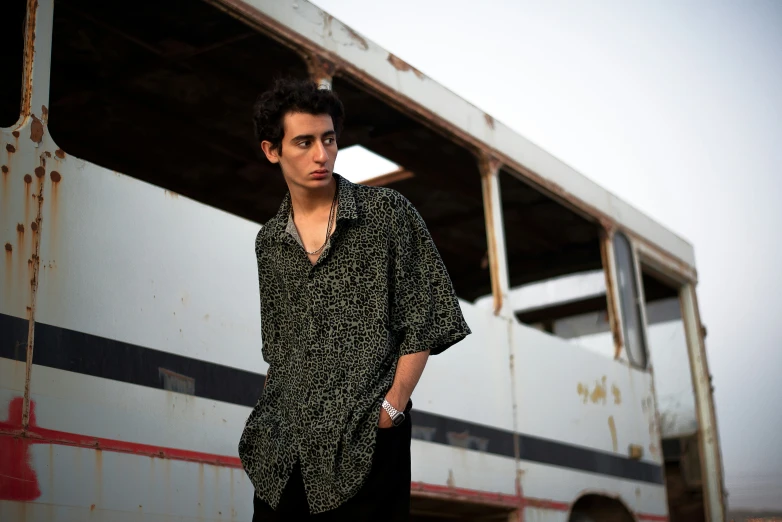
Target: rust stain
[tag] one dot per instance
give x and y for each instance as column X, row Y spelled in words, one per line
column 489, row 120
column 48, row 154
column 34, row 226
column 9, row 247
column 612, row 428
column 357, row 38
column 10, row 148
column 599, row 393
column 56, row 177
column 36, row 129
column 28, row 179
column 59, row 153
column 401, row 65
column 171, row 194
column 29, row 54
column 44, row 113
column 20, row 228
column 583, row 391
column 40, row 172
column 92, row 507
column 617, row 393
column 16, row 134
column 4, row 169
column 32, row 303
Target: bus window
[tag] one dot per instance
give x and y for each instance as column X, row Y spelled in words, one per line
column 442, row 180
column 629, row 301
column 555, row 267
column 12, row 44
column 165, row 95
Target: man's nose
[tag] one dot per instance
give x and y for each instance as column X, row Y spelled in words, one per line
column 321, row 154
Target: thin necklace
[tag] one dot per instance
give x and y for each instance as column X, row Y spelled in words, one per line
column 328, row 225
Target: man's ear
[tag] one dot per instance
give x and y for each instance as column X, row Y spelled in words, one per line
column 272, row 154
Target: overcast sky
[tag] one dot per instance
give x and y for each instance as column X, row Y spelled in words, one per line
column 673, row 105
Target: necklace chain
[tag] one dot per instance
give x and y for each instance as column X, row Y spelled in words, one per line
column 328, row 225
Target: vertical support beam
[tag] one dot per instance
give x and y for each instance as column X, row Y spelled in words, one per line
column 35, row 99
column 708, row 439
column 321, row 70
column 37, row 61
column 612, row 289
column 495, row 233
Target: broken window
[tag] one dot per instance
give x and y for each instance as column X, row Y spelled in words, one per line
column 12, row 30
column 555, row 268
column 440, row 178
column 165, row 94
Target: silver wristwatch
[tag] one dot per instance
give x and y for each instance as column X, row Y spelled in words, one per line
column 397, row 417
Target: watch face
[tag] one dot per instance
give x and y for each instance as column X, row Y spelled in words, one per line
column 398, row 419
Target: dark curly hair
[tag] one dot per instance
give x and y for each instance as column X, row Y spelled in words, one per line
column 293, row 95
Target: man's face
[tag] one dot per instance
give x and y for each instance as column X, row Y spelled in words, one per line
column 308, row 152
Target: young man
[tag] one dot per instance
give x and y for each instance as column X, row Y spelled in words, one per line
column 354, row 298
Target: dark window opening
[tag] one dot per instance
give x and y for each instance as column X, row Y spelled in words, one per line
column 163, row 91
column 12, row 30
column 441, row 180
column 555, row 266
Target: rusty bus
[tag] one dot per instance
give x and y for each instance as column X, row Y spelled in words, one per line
column 130, row 197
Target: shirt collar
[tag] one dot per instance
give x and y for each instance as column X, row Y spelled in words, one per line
column 346, row 211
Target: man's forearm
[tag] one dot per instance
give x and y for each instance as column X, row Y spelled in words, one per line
column 408, row 372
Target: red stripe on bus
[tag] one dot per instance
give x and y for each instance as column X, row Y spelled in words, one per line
column 18, row 480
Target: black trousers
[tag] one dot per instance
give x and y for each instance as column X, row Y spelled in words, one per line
column 385, row 496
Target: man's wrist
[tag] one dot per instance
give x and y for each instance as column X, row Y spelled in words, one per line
column 396, row 400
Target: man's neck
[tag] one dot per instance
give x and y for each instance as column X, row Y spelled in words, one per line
column 310, row 201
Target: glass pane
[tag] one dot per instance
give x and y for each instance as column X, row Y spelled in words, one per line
column 629, row 301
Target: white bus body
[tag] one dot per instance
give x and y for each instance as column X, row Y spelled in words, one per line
column 130, row 332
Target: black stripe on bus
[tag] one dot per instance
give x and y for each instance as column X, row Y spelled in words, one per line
column 88, row 354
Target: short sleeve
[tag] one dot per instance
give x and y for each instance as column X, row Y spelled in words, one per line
column 425, row 312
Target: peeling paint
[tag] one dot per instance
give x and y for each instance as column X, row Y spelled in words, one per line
column 362, row 43
column 489, row 120
column 401, row 65
column 59, row 153
column 36, row 129
column 10, row 148
column 617, row 393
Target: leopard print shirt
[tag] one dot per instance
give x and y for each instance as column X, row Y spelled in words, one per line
column 332, row 335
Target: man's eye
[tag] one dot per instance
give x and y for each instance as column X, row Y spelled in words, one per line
column 330, row 141
column 304, row 144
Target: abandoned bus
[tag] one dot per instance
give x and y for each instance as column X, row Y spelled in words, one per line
column 130, row 341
